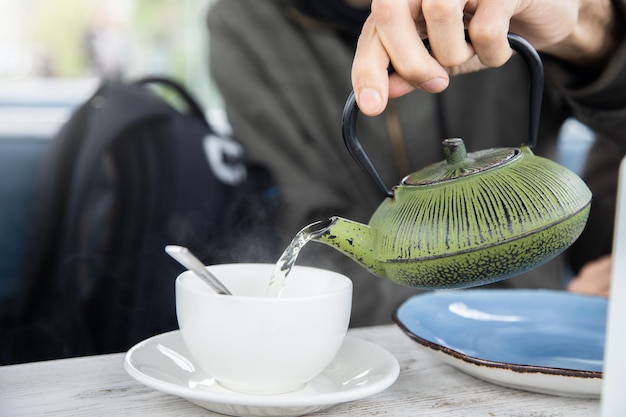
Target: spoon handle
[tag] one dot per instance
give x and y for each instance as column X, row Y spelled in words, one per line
column 189, row 261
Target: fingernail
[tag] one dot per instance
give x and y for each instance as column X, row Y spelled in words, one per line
column 436, row 85
column 370, row 101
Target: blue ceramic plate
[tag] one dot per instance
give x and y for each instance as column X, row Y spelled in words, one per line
column 536, row 340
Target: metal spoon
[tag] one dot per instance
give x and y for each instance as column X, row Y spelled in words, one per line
column 189, row 261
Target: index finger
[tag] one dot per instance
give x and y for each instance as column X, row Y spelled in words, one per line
column 370, row 79
column 389, row 35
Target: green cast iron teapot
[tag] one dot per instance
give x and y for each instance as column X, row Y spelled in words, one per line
column 472, row 219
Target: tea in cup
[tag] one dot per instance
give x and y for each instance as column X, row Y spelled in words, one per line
column 264, row 345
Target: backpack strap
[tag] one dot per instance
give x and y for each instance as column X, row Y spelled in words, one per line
column 194, row 108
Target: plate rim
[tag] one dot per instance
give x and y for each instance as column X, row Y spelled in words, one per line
column 474, row 360
column 242, row 399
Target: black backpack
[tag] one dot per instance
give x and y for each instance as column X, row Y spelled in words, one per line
column 127, row 175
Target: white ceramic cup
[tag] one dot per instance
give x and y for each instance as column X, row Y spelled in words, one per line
column 264, row 345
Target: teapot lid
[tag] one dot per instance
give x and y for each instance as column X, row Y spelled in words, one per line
column 459, row 163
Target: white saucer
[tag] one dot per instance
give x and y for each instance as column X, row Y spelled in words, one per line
column 360, row 369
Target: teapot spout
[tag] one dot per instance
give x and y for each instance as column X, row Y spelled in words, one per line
column 353, row 239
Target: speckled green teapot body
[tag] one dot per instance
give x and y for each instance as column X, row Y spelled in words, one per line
column 473, row 219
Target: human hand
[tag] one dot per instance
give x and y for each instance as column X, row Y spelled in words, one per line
column 594, row 278
column 584, row 33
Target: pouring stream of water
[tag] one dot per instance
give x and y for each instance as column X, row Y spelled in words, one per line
column 289, row 256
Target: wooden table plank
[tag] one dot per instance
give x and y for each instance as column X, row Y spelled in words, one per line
column 99, row 386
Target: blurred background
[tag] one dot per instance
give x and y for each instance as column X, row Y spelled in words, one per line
column 53, row 56
column 53, row 53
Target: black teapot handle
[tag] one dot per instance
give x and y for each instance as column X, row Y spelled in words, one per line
column 535, row 67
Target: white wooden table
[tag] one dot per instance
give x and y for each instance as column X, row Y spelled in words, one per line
column 99, row 386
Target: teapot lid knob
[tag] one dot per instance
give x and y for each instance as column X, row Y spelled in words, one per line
column 458, row 163
column 454, row 150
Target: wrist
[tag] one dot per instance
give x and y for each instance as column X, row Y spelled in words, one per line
column 594, row 38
